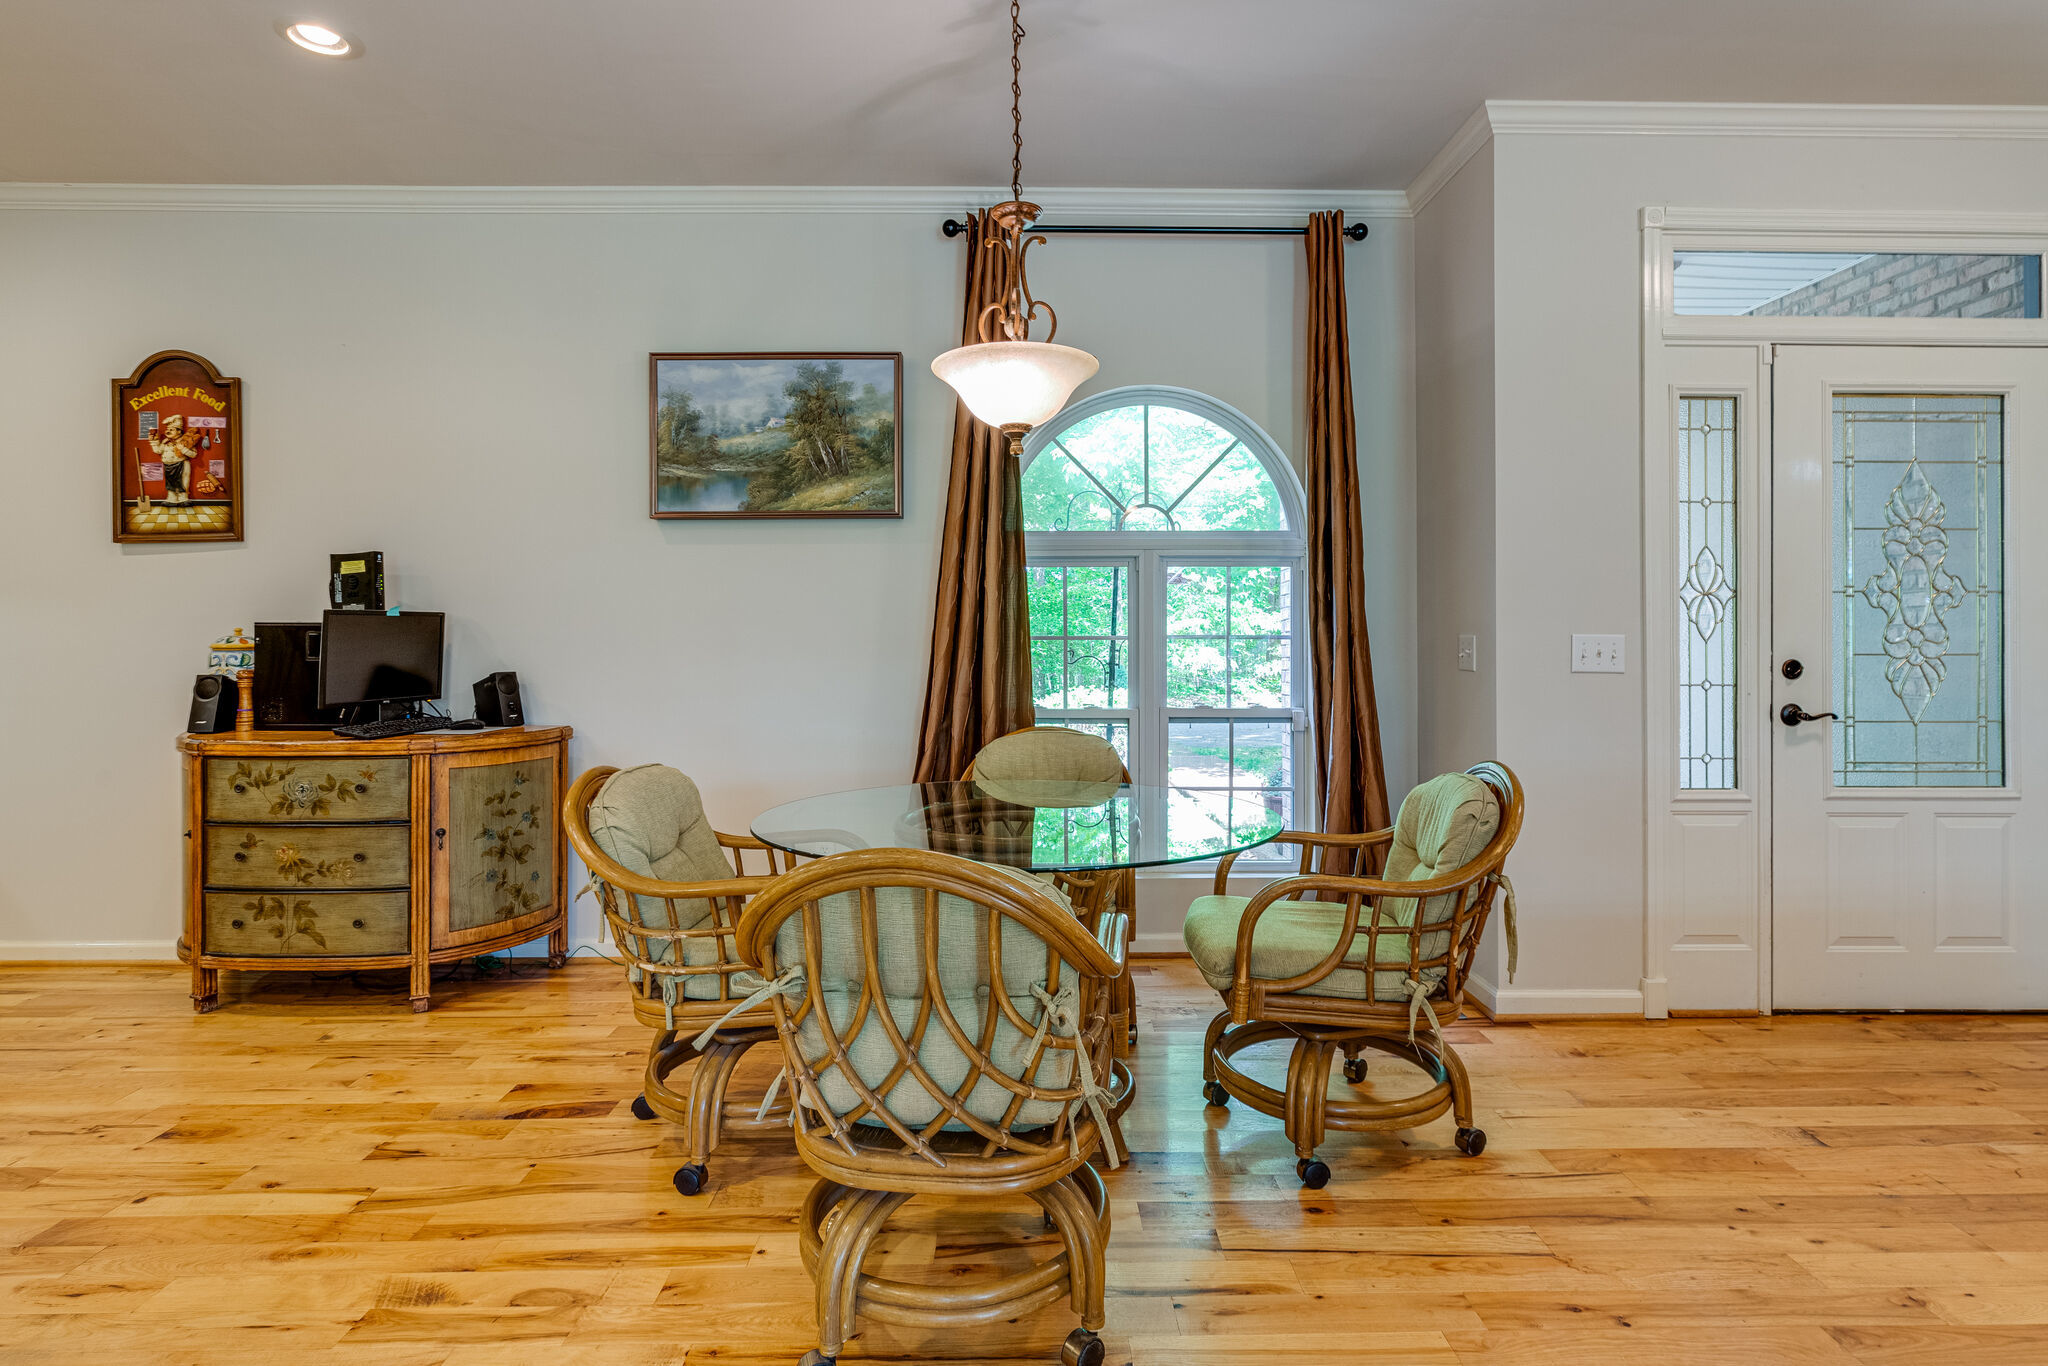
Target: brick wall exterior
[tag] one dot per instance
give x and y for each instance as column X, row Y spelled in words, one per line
column 1918, row 286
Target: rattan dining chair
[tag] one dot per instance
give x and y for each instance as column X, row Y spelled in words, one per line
column 945, row 1030
column 1293, row 968
column 1039, row 754
column 673, row 903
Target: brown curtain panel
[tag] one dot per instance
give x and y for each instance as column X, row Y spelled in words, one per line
column 1349, row 767
column 979, row 686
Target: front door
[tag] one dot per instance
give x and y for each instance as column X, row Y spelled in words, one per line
column 1909, row 863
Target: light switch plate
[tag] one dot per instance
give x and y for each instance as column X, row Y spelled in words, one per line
column 1468, row 654
column 1599, row 655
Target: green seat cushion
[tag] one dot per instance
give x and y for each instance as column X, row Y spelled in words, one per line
column 650, row 820
column 1292, row 937
column 965, row 981
column 1444, row 824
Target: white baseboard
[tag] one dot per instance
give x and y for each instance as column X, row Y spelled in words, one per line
column 88, row 951
column 1526, row 1002
column 1169, row 942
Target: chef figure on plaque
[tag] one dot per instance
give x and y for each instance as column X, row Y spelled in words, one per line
column 177, row 448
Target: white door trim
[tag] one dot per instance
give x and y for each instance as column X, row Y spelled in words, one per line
column 1672, row 970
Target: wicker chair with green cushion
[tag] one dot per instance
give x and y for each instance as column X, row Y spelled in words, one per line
column 1338, row 962
column 1039, row 754
column 671, row 889
column 945, row 1030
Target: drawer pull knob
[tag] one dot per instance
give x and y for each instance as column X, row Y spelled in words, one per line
column 360, row 858
column 359, row 924
column 241, row 857
column 240, row 789
column 362, row 787
column 236, row 923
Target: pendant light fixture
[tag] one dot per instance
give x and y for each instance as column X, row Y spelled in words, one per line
column 1006, row 379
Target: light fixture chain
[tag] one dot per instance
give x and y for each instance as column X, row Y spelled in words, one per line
column 1016, row 98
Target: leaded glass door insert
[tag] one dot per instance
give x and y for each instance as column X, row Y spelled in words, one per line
column 1707, row 573
column 1918, row 600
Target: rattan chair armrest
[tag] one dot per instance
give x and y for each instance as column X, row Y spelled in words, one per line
column 740, row 841
column 1307, row 839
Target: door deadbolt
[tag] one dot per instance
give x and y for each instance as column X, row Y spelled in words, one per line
column 1791, row 668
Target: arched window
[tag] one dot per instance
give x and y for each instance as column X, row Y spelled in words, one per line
column 1163, row 534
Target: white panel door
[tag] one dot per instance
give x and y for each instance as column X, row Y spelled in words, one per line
column 1909, row 862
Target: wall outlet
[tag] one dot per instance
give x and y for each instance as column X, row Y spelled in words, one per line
column 1599, row 655
column 1468, row 654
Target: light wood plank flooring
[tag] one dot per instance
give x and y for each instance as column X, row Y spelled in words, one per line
column 317, row 1175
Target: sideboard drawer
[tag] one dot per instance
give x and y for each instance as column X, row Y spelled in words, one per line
column 307, row 924
column 308, row 857
column 333, row 788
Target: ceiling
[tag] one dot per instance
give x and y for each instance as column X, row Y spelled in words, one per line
column 1283, row 94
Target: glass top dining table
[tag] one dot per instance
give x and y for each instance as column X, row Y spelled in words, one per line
column 1040, row 826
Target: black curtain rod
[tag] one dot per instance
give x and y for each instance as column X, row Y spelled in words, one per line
column 953, row 227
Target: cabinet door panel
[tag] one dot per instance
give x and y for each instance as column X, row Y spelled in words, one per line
column 500, row 845
column 308, row 857
column 307, row 925
column 495, row 842
column 331, row 788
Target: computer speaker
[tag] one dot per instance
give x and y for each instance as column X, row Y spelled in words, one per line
column 213, row 705
column 497, row 700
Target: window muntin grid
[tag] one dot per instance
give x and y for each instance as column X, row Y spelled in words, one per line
column 1229, row 635
column 1080, row 635
column 1149, row 467
column 1226, row 757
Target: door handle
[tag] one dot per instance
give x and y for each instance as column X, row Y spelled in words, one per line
column 1792, row 716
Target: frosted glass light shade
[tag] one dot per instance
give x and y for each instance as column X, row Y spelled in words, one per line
column 1014, row 383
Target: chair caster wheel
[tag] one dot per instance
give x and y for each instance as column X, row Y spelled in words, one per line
column 690, row 1180
column 1213, row 1092
column 641, row 1109
column 1082, row 1348
column 1354, row 1070
column 1471, row 1142
column 817, row 1358
column 1314, row 1174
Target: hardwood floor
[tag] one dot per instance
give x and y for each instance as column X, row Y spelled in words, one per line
column 316, row 1175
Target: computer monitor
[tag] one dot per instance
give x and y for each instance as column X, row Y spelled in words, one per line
column 374, row 657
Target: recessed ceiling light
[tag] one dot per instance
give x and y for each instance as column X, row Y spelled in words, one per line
column 319, row 38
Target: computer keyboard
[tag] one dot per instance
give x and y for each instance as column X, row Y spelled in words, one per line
column 385, row 730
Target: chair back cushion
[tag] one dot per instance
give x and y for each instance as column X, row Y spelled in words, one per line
column 650, row 820
column 1049, row 754
column 959, row 959
column 1444, row 824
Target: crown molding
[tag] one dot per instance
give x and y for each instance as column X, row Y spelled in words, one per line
column 1065, row 205
column 1473, row 134
column 2024, row 121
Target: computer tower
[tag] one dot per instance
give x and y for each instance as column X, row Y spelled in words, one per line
column 288, row 677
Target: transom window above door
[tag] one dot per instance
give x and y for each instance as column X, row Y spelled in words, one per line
column 1163, row 532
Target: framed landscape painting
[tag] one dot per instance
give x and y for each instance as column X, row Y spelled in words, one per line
column 776, row 434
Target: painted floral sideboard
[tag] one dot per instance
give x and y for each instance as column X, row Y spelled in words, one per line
column 310, row 853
